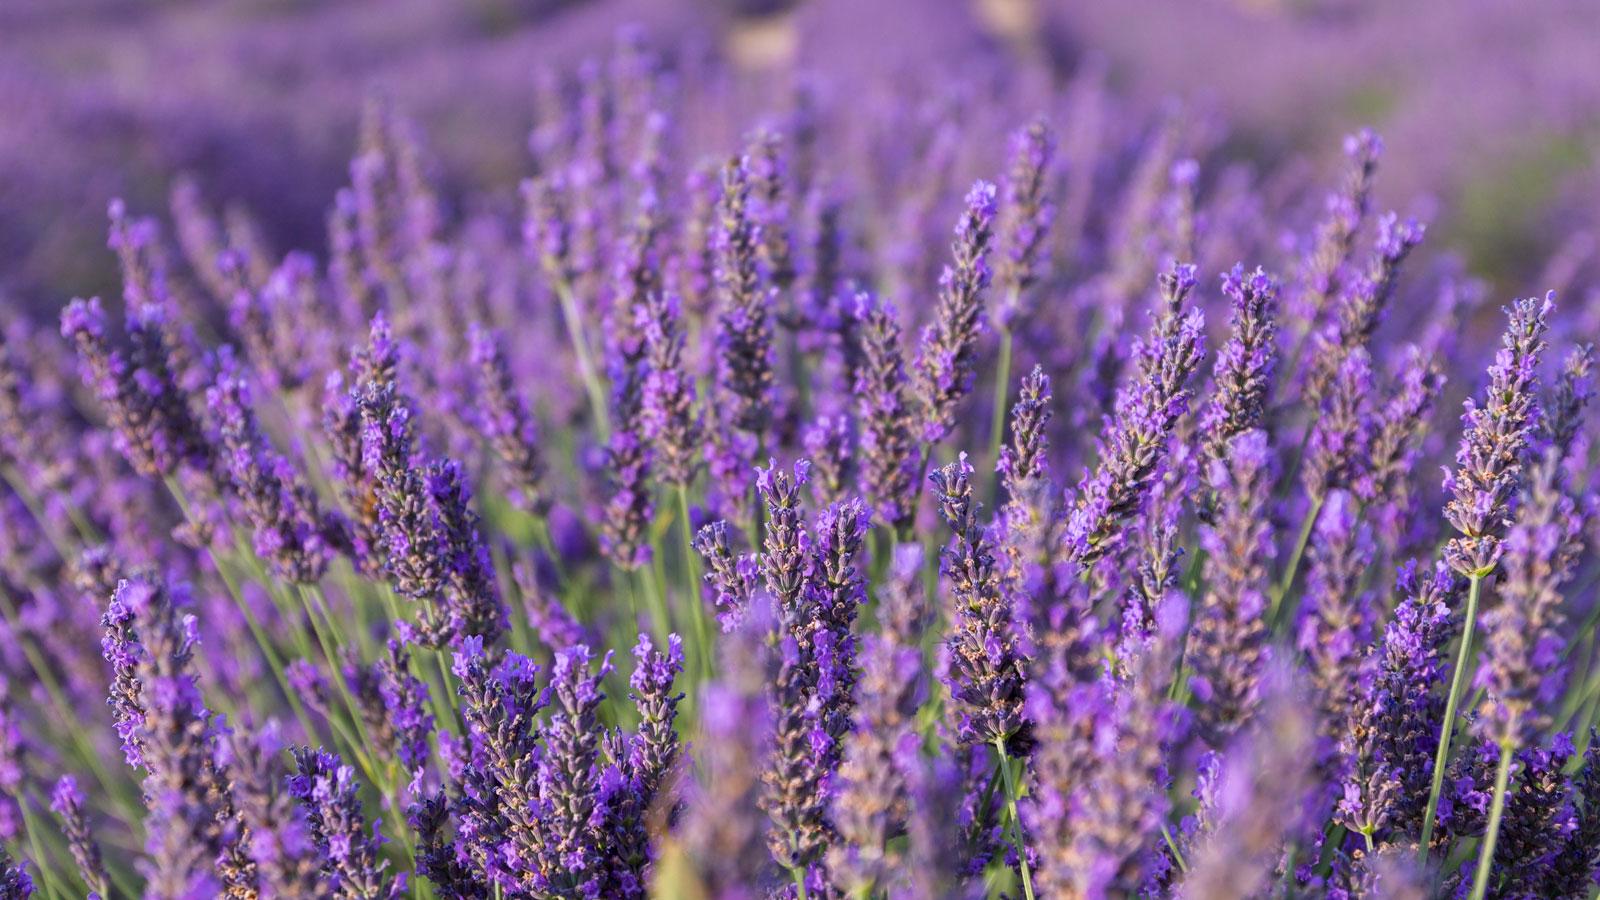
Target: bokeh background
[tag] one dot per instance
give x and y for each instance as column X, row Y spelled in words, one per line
column 1490, row 110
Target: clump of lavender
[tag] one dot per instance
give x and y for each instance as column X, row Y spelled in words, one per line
column 329, row 794
column 948, row 351
column 15, row 884
column 289, row 531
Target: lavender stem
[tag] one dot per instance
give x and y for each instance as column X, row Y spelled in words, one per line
column 1458, row 680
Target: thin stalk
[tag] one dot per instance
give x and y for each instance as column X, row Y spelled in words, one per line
column 1286, row 584
column 1177, row 855
column 1502, row 774
column 798, row 873
column 661, row 619
column 1458, row 681
column 1002, row 390
column 573, row 318
column 697, row 607
column 1016, row 821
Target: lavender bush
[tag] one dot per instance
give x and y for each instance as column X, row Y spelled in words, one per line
column 936, row 494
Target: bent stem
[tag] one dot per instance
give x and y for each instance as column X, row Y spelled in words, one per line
column 1016, row 822
column 1458, row 681
column 1502, row 774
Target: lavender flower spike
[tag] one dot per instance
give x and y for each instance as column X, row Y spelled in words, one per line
column 1243, row 375
column 1229, row 642
column 67, row 802
column 507, row 421
column 1490, row 462
column 889, row 453
column 279, row 835
column 986, row 668
column 1136, row 436
column 949, row 349
column 744, row 371
column 1523, row 646
column 1026, row 214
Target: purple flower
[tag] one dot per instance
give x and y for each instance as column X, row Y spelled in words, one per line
column 1026, row 213
column 67, row 801
column 889, row 452
column 945, row 358
column 1228, row 648
column 1489, row 463
column 350, row 847
column 1136, row 435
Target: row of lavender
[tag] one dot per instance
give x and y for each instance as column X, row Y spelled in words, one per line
column 348, row 542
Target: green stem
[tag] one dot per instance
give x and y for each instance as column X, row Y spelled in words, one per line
column 1016, row 822
column 573, row 318
column 1002, row 388
column 697, row 606
column 1299, row 552
column 798, row 873
column 1480, row 881
column 1457, row 682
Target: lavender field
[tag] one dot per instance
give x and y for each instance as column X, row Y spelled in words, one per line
column 749, row 450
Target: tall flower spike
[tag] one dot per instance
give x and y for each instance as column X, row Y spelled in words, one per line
column 283, row 509
column 1026, row 213
column 507, row 421
column 889, row 454
column 949, row 348
column 168, row 732
column 1489, row 463
column 732, row 579
column 1323, row 271
column 723, row 833
column 828, row 444
column 633, row 786
column 625, row 531
column 669, row 419
column 567, row 776
column 744, row 363
column 1363, row 307
column 1244, row 369
column 1397, row 429
column 1393, row 731
column 351, row 847
column 1563, row 412
column 1522, row 669
column 405, row 701
column 279, row 835
column 1538, row 814
column 1229, row 649
column 67, row 802
column 1146, row 413
column 986, row 669
column 1336, row 454
column 1024, row 461
column 474, row 602
column 1336, row 619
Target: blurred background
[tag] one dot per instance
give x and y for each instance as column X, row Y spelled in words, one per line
column 1490, row 110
